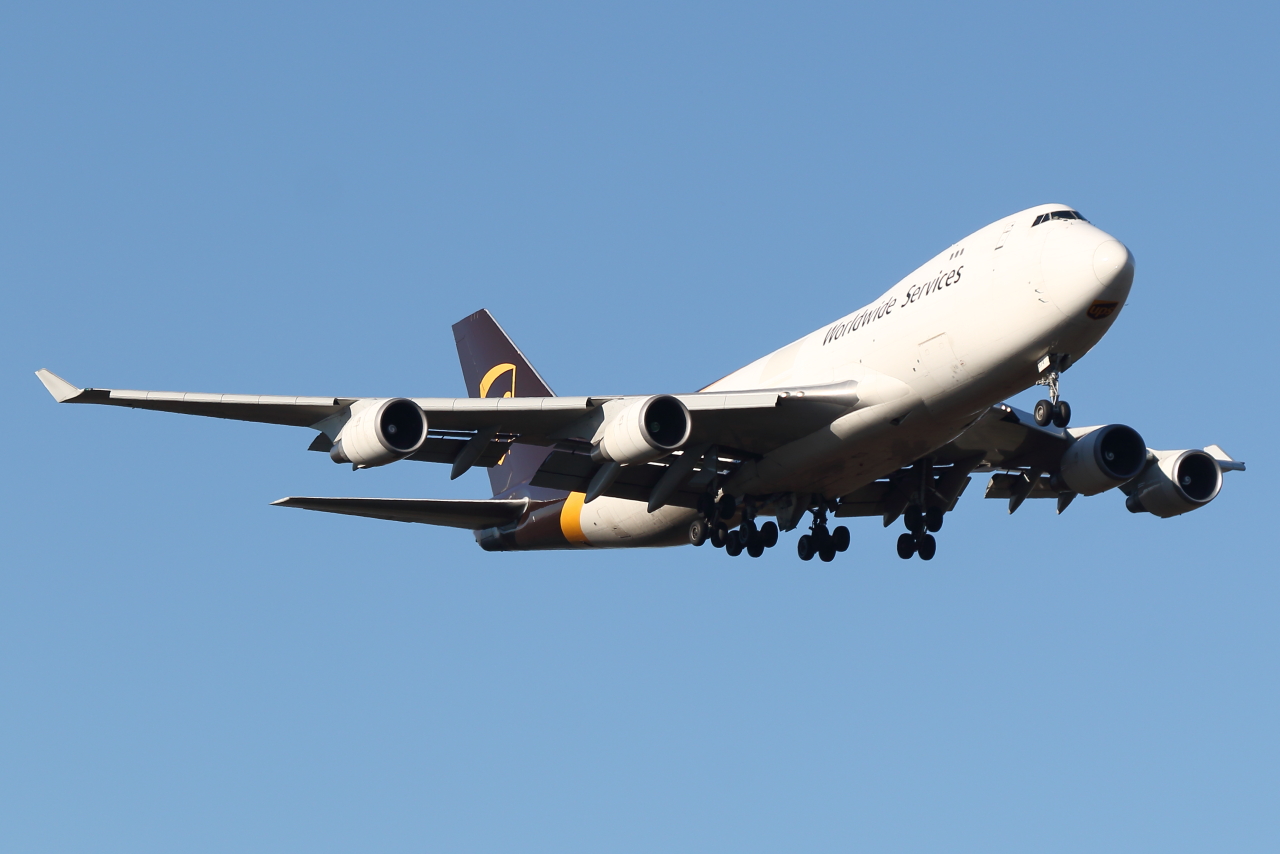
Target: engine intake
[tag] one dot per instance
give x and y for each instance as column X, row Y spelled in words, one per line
column 646, row 430
column 1181, row 481
column 382, row 432
column 1103, row 458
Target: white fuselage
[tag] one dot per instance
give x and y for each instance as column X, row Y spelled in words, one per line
column 962, row 332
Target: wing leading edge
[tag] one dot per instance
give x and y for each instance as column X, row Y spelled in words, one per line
column 446, row 512
column 755, row 421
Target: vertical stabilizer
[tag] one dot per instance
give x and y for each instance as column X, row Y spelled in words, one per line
column 493, row 366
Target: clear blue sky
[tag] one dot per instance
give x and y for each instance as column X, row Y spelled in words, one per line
column 300, row 199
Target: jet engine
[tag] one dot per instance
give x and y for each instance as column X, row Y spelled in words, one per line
column 1103, row 458
column 646, row 430
column 381, row 432
column 1176, row 482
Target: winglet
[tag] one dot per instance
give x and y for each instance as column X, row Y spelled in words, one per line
column 61, row 390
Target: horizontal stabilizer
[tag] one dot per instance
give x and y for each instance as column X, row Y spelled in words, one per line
column 1225, row 463
column 450, row 513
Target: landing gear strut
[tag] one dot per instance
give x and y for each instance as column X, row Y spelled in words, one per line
column 921, row 524
column 1053, row 409
column 821, row 542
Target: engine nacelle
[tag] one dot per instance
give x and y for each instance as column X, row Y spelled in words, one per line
column 381, row 432
column 1178, row 482
column 1103, row 458
column 646, row 430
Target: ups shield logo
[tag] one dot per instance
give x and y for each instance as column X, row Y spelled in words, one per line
column 1101, row 309
column 499, row 382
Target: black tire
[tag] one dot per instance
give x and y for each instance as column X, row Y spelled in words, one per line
column 913, row 520
column 840, row 538
column 933, row 519
column 733, row 544
column 928, row 547
column 1043, row 413
column 698, row 532
column 827, row 553
column 804, row 547
column 769, row 534
column 1061, row 414
column 727, row 507
column 755, row 547
column 747, row 529
column 719, row 535
column 906, row 546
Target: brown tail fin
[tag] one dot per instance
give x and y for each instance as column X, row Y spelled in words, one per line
column 493, row 366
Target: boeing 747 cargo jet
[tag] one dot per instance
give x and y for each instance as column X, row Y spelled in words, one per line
column 887, row 412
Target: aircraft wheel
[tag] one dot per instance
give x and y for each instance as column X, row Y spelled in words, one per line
column 906, row 546
column 1043, row 413
column 840, row 538
column 733, row 544
column 726, row 507
column 719, row 535
column 755, row 546
column 769, row 534
column 827, row 553
column 804, row 547
column 912, row 519
column 747, row 530
column 698, row 532
column 928, row 547
column 1061, row 414
column 933, row 519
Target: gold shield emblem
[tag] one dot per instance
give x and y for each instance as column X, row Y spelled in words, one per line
column 1101, row 309
column 491, row 378
column 499, row 389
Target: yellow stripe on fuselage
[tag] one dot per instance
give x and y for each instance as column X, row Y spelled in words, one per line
column 571, row 517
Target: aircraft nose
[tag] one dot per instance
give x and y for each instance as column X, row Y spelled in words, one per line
column 1113, row 264
column 1081, row 264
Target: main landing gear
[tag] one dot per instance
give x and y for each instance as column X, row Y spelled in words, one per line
column 921, row 524
column 920, row 530
column 821, row 542
column 746, row 537
column 1053, row 409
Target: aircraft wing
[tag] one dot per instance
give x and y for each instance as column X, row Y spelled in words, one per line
column 1002, row 439
column 1005, row 442
column 268, row 409
column 753, row 422
column 1008, row 438
column 450, row 513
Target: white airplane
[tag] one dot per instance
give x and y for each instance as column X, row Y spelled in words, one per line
column 886, row 412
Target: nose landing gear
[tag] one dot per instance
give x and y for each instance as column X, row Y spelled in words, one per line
column 1053, row 409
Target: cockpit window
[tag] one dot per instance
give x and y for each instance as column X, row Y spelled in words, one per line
column 1058, row 215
